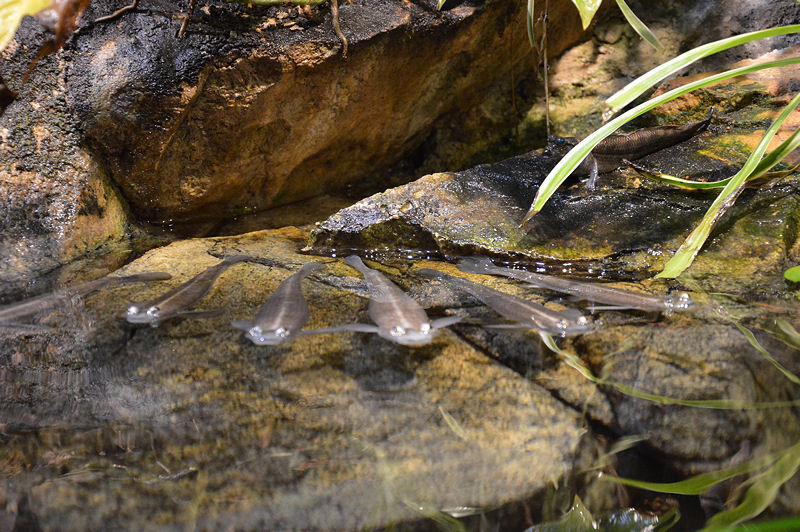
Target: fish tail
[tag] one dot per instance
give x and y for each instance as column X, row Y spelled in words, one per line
column 311, row 267
column 144, row 277
column 234, row 259
column 355, row 261
column 432, row 274
column 475, row 265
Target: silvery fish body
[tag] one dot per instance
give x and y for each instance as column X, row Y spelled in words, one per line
column 526, row 313
column 618, row 298
column 33, row 305
column 398, row 317
column 282, row 316
column 176, row 301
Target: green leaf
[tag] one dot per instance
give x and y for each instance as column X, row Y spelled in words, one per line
column 640, row 27
column 700, row 483
column 587, row 9
column 529, row 24
column 638, row 86
column 761, row 493
column 685, row 255
column 793, row 273
column 440, row 4
column 719, row 404
column 752, row 339
column 577, row 154
column 12, row 11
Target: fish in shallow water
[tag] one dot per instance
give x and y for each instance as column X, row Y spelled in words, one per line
column 282, row 316
column 397, row 317
column 176, row 301
column 526, row 314
column 614, row 150
column 617, row 298
column 28, row 307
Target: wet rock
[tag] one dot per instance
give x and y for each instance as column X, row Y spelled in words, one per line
column 244, row 112
column 191, row 423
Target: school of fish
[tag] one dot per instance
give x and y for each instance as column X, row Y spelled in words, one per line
column 395, row 315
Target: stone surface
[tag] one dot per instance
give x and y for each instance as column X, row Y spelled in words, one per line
column 190, row 424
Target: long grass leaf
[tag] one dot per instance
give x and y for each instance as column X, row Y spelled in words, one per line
column 636, row 87
column 12, row 11
column 718, row 404
column 787, row 524
column 640, row 27
column 569, row 162
column 752, row 339
column 700, row 483
column 587, row 9
column 529, row 24
column 778, row 154
column 762, row 493
column 685, row 255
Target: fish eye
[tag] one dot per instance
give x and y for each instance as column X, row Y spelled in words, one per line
column 153, row 312
column 281, row 332
column 133, row 310
column 583, row 320
column 397, row 331
column 255, row 331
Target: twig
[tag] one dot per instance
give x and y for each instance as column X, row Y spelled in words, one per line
column 336, row 28
column 118, row 12
column 186, row 18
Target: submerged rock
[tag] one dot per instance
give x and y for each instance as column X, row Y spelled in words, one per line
column 329, row 432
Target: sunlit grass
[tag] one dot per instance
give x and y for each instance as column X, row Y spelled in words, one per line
column 577, row 154
column 639, row 26
column 688, row 250
column 12, row 11
column 637, row 87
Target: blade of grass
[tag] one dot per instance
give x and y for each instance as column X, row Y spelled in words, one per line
column 587, row 9
column 762, row 493
column 636, row 87
column 640, row 27
column 12, row 11
column 752, row 339
column 787, row 524
column 569, row 162
column 529, row 24
column 686, row 253
column 719, row 404
column 700, row 483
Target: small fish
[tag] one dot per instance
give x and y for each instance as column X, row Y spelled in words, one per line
column 618, row 299
column 176, row 301
column 285, row 312
column 613, row 150
column 398, row 317
column 33, row 305
column 526, row 314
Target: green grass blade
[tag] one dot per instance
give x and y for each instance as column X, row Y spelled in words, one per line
column 685, row 255
column 762, row 493
column 529, row 24
column 587, row 9
column 636, row 87
column 778, row 154
column 12, row 11
column 752, row 339
column 640, row 27
column 700, row 483
column 788, row 524
column 577, row 154
column 718, row 404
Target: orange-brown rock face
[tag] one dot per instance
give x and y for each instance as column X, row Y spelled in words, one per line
column 209, row 126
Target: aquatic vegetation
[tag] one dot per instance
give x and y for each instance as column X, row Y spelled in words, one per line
column 792, row 274
column 580, row 519
column 691, row 246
